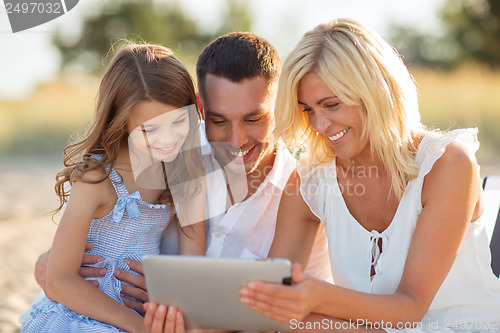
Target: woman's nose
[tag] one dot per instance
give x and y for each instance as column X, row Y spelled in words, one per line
column 321, row 123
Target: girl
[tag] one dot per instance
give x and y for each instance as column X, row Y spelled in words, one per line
column 401, row 205
column 143, row 142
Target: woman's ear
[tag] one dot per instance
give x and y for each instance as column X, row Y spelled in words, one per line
column 200, row 105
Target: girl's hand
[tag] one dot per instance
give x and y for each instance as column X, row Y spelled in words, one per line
column 167, row 319
column 281, row 302
column 163, row 319
column 136, row 289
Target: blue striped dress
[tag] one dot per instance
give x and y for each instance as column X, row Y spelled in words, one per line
column 131, row 230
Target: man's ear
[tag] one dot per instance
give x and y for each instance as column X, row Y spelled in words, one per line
column 200, row 106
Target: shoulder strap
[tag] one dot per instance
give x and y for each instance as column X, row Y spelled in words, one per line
column 117, row 182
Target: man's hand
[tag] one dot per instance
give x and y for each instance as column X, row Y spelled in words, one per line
column 85, row 271
column 41, row 269
column 137, row 290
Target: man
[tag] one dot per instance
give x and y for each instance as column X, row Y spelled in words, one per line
column 237, row 79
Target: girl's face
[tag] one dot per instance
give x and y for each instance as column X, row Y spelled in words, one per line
column 339, row 123
column 157, row 130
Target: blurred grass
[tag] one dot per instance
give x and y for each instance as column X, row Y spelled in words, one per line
column 45, row 122
column 466, row 97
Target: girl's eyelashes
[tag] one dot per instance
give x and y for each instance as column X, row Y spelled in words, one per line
column 148, row 129
column 180, row 121
column 151, row 129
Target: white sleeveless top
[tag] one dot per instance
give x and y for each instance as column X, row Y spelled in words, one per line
column 470, row 294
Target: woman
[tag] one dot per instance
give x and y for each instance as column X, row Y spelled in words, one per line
column 401, row 205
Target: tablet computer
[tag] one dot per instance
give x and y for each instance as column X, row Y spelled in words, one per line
column 207, row 290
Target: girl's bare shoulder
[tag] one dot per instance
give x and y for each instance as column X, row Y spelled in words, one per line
column 96, row 184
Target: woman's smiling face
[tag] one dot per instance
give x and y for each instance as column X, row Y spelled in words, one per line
column 341, row 124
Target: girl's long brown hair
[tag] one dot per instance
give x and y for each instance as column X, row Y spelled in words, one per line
column 136, row 73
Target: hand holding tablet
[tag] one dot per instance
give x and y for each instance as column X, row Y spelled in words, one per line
column 207, row 290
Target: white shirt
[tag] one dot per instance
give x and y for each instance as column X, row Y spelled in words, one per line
column 469, row 296
column 247, row 229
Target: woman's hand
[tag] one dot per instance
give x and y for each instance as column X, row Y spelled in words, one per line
column 136, row 289
column 281, row 302
column 85, row 271
column 163, row 319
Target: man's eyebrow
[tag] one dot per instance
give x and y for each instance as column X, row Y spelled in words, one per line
column 210, row 113
column 257, row 112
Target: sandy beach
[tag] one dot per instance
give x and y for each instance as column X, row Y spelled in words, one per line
column 26, row 194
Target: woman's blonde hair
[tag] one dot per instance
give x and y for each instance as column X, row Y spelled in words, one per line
column 364, row 71
column 137, row 72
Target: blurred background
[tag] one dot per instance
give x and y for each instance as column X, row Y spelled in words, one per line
column 49, row 77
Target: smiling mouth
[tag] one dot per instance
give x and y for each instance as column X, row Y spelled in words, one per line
column 339, row 135
column 166, row 150
column 240, row 154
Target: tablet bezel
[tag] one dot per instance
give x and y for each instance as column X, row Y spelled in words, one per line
column 207, row 290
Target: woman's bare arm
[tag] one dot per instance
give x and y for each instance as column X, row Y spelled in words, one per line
column 296, row 225
column 450, row 199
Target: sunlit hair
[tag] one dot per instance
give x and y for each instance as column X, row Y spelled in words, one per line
column 137, row 72
column 362, row 70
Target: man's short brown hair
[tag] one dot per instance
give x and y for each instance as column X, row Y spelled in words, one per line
column 237, row 56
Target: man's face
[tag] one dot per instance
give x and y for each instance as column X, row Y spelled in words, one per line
column 240, row 115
